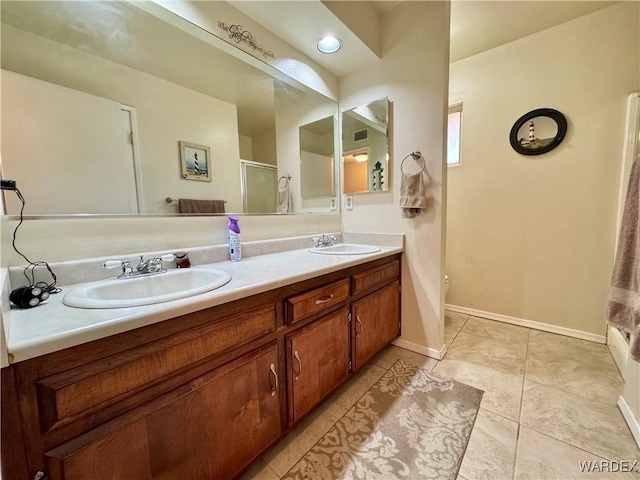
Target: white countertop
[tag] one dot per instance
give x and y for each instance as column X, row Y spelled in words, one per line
column 53, row 326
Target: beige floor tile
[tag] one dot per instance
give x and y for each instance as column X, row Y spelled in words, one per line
column 453, row 323
column 503, row 332
column 502, row 391
column 450, row 336
column 590, row 381
column 492, row 448
column 586, row 424
column 546, row 346
column 454, row 320
column 260, row 471
column 392, row 354
column 288, row 451
column 321, row 420
column 489, row 352
column 543, row 457
column 349, row 394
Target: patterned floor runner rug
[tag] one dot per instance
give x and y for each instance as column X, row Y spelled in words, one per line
column 412, row 424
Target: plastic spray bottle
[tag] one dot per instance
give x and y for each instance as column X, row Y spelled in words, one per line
column 235, row 249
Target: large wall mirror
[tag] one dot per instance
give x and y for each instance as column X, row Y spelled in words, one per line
column 97, row 97
column 365, row 148
column 317, row 159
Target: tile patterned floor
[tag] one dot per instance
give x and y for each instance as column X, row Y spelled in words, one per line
column 549, row 404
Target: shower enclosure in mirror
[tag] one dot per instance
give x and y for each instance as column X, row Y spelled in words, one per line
column 98, row 95
column 365, row 148
column 258, row 182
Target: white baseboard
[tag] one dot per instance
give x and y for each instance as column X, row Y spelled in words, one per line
column 414, row 347
column 569, row 332
column 632, row 421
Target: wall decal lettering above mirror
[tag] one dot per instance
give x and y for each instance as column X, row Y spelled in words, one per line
column 97, row 96
column 238, row 35
column 538, row 131
column 365, row 148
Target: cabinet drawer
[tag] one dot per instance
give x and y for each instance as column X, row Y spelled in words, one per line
column 70, row 393
column 375, row 276
column 314, row 301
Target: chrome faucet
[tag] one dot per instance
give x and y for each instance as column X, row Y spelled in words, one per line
column 150, row 266
column 324, row 241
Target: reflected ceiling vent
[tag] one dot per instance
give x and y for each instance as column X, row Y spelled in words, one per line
column 360, row 135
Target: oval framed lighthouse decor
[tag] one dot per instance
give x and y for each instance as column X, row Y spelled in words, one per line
column 538, row 131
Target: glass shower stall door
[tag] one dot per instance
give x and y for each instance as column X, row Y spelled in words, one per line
column 259, row 187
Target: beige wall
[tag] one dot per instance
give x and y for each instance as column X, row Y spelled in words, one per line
column 413, row 73
column 246, row 147
column 264, row 148
column 356, row 177
column 532, row 237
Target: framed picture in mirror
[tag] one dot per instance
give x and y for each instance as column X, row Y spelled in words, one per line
column 195, row 161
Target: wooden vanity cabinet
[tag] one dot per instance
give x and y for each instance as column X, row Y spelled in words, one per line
column 202, row 395
column 198, row 396
column 213, row 428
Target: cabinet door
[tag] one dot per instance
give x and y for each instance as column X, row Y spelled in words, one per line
column 225, row 419
column 318, row 359
column 376, row 321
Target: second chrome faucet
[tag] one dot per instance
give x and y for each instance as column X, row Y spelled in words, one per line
column 324, row 241
column 150, row 266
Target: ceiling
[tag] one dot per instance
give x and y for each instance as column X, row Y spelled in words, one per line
column 476, row 25
column 303, row 23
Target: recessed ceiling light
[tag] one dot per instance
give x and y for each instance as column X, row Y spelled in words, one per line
column 361, row 157
column 329, row 44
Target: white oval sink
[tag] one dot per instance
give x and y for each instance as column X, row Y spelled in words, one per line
column 134, row 292
column 345, row 249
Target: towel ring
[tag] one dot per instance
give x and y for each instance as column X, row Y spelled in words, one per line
column 286, row 178
column 415, row 156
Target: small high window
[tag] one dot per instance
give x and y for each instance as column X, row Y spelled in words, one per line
column 453, row 134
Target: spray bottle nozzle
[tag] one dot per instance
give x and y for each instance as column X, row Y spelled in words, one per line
column 233, row 224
